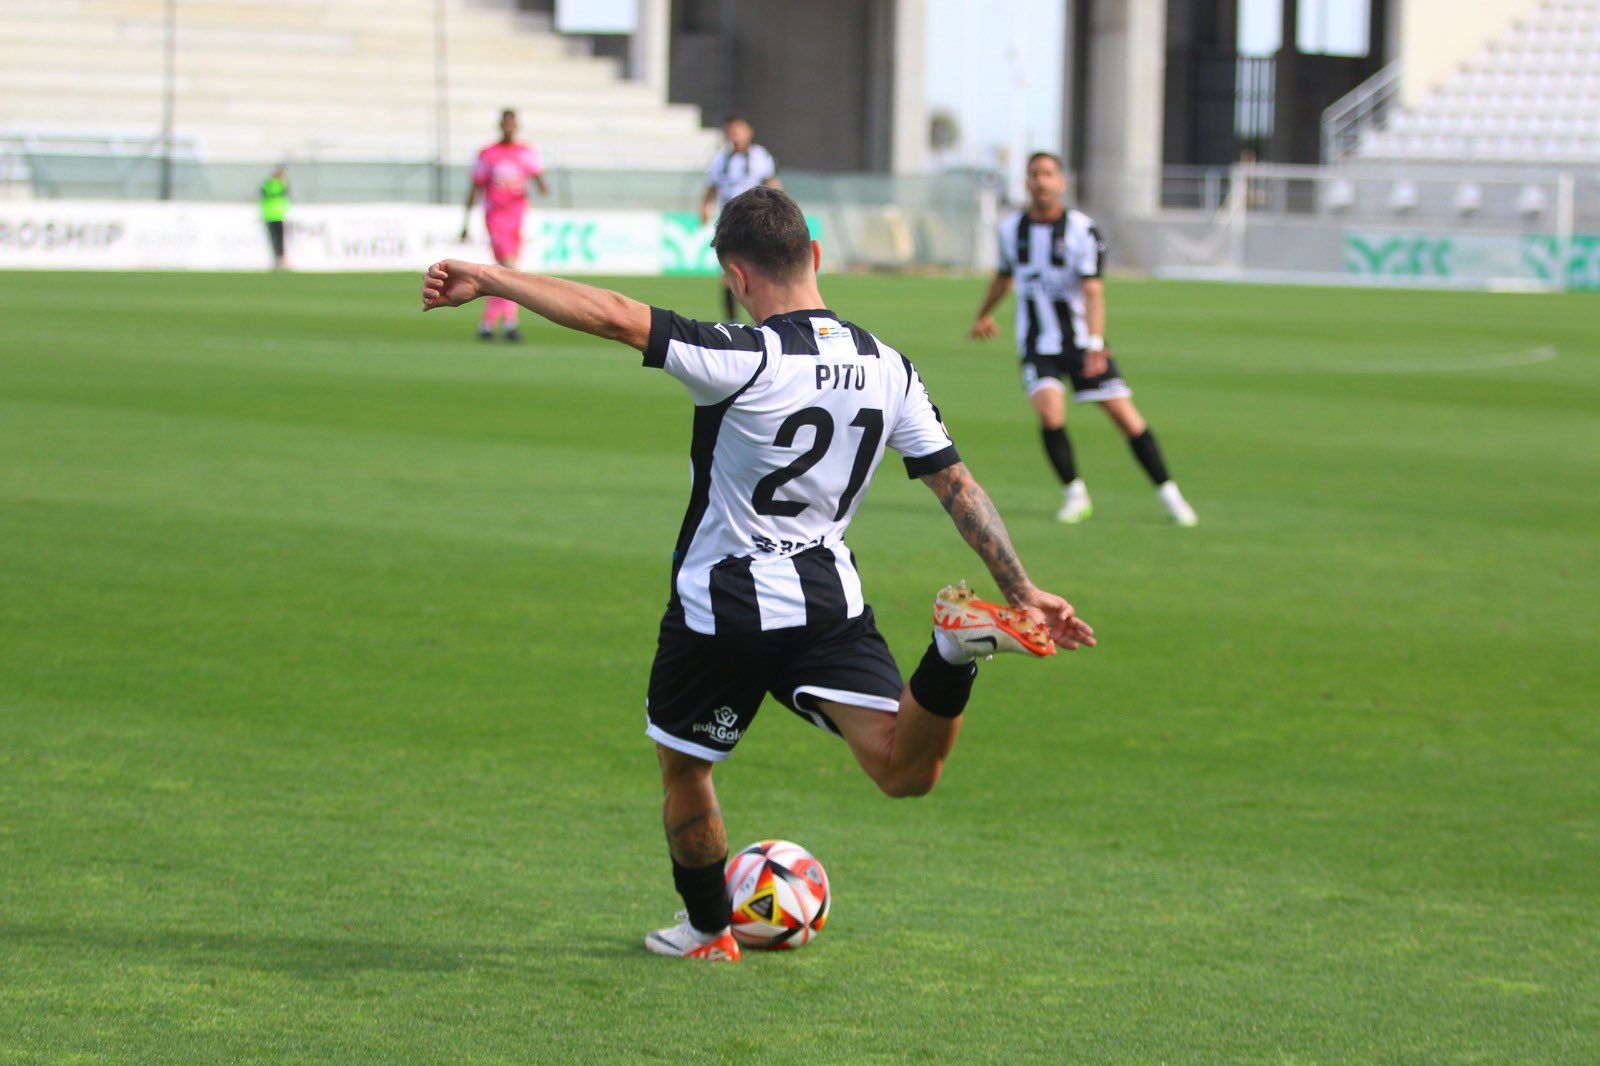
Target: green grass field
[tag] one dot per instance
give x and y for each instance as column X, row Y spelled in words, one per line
column 324, row 632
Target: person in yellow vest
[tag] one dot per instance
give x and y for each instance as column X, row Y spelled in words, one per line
column 274, row 209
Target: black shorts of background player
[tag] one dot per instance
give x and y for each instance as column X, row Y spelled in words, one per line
column 1054, row 256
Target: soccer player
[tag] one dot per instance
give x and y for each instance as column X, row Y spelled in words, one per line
column 740, row 166
column 791, row 419
column 501, row 173
column 1055, row 256
column 274, row 210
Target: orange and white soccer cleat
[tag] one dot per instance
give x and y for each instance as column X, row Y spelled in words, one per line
column 984, row 628
column 684, row 941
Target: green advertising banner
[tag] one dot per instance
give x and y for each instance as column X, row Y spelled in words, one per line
column 1572, row 264
column 686, row 243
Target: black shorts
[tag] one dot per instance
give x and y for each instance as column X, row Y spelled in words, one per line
column 704, row 690
column 1050, row 371
column 275, row 235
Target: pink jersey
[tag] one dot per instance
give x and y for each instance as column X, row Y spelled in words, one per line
column 502, row 172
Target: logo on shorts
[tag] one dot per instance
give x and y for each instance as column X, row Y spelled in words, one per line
column 724, row 728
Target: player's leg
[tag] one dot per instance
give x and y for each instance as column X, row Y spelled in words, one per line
column 505, row 240
column 511, row 249
column 698, row 844
column 275, row 235
column 1048, row 396
column 704, row 692
column 1121, row 411
column 904, row 752
column 846, row 682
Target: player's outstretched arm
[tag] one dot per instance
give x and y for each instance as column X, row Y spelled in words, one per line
column 974, row 514
column 598, row 312
column 983, row 324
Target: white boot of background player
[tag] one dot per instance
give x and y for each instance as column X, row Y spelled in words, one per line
column 1075, row 504
column 1176, row 505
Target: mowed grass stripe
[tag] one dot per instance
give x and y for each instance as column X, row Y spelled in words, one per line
column 324, row 632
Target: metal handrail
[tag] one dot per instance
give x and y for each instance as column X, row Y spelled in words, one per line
column 1367, row 104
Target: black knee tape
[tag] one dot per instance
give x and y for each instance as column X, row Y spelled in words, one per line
column 940, row 687
column 705, row 894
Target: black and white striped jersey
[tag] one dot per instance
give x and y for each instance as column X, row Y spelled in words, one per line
column 791, row 420
column 732, row 173
column 1049, row 261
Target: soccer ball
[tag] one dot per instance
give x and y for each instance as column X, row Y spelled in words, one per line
column 779, row 893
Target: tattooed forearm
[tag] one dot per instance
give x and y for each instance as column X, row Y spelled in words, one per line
column 973, row 513
column 699, row 838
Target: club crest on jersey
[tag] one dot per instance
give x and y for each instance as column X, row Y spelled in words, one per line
column 724, row 727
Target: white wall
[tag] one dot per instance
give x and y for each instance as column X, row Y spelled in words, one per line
column 1437, row 36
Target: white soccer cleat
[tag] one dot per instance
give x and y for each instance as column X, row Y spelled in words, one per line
column 1076, row 505
column 1177, row 507
column 983, row 628
column 684, row 941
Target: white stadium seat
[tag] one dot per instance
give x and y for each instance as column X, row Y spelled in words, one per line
column 1404, row 197
column 270, row 79
column 1532, row 201
column 1533, row 96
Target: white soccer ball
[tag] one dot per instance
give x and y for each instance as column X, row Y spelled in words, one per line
column 779, row 893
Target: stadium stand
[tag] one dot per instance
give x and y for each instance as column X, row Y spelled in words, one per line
column 307, row 79
column 1532, row 96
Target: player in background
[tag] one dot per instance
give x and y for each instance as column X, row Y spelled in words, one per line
column 741, row 165
column 274, row 211
column 791, row 419
column 502, row 172
column 1055, row 257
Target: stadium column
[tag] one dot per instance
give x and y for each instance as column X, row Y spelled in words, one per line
column 652, row 39
column 1127, row 54
column 909, row 123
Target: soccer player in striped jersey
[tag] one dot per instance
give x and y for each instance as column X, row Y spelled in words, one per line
column 740, row 165
column 791, row 420
column 501, row 173
column 1055, row 258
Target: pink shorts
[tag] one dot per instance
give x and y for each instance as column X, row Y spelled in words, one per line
column 505, row 234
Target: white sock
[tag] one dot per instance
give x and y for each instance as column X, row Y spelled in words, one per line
column 1168, row 491
column 1077, row 488
column 950, row 649
column 704, row 937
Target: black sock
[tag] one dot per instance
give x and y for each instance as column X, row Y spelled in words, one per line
column 1059, row 449
column 941, row 687
column 728, row 302
column 705, row 894
column 1148, row 453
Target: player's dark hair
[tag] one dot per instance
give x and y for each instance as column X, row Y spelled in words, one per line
column 510, row 112
column 1035, row 157
column 765, row 228
column 733, row 116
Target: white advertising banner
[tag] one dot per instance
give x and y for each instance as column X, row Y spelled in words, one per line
column 131, row 235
